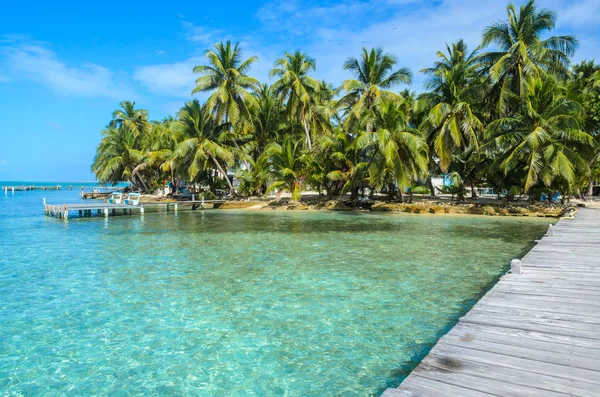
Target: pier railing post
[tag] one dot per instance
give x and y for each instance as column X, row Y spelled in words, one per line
column 515, row 266
column 550, row 231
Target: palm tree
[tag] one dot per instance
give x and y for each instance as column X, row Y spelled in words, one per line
column 295, row 88
column 267, row 121
column 136, row 120
column 522, row 51
column 398, row 153
column 584, row 87
column 286, row 167
column 375, row 74
column 118, row 157
column 202, row 141
column 543, row 141
column 333, row 163
column 455, row 84
column 163, row 140
column 225, row 75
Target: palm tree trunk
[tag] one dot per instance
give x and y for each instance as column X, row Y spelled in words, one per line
column 308, row 141
column 590, row 188
column 430, row 186
column 305, row 125
column 143, row 183
column 473, row 192
column 391, row 191
column 214, row 159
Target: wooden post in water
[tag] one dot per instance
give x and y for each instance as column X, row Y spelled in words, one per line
column 515, row 266
column 106, row 212
column 142, row 210
column 175, row 207
column 13, row 190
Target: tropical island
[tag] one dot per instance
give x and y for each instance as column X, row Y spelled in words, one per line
column 132, row 284
column 511, row 115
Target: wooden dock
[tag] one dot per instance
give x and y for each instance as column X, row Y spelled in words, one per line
column 533, row 334
column 95, row 189
column 99, row 208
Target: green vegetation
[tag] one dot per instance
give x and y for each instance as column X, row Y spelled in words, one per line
column 512, row 114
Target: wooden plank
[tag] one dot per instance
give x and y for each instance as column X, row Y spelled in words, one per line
column 533, row 352
column 586, row 303
column 476, row 382
column 519, row 338
column 542, row 290
column 546, row 303
column 534, row 366
column 532, row 325
column 491, row 307
column 537, row 384
column 418, row 386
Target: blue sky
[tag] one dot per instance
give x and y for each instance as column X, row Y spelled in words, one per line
column 66, row 65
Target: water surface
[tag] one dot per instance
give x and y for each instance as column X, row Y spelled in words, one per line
column 225, row 303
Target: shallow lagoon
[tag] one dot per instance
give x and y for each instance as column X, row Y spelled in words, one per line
column 225, row 303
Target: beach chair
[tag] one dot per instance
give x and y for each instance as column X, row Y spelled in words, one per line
column 115, row 198
column 133, row 199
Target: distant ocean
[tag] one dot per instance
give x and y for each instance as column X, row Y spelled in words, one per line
column 64, row 184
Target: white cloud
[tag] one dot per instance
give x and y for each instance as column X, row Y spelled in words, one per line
column 171, row 79
column 197, row 34
column 34, row 61
column 412, row 30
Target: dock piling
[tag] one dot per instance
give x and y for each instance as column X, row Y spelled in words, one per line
column 515, row 266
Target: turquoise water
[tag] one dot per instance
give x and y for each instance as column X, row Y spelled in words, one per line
column 225, row 303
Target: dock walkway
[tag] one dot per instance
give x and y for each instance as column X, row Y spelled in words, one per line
column 101, row 208
column 533, row 334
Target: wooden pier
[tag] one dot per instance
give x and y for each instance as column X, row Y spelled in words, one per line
column 99, row 208
column 535, row 333
column 95, row 190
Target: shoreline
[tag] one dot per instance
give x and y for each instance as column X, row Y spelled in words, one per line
column 555, row 211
